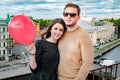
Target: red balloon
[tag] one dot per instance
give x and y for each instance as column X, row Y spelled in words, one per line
column 22, row 29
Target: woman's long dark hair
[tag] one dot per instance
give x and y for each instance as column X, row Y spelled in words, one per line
column 47, row 34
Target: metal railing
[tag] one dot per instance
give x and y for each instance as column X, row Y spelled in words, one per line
column 111, row 72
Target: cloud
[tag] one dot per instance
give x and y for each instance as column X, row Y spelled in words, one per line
column 54, row 8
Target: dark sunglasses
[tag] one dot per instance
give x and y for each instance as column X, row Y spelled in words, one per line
column 65, row 14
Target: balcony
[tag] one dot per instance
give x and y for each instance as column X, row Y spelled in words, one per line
column 111, row 72
column 9, row 47
column 9, row 40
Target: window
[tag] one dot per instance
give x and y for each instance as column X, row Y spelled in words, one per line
column 4, row 52
column 4, row 44
column 3, row 29
column 3, row 36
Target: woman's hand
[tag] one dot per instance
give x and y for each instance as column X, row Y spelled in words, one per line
column 31, row 49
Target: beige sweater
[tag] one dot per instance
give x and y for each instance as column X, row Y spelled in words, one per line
column 76, row 55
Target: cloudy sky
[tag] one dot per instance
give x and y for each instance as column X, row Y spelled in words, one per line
column 54, row 8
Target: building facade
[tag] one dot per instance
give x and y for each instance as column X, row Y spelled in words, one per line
column 99, row 34
column 6, row 42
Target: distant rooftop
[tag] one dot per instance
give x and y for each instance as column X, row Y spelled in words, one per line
column 2, row 21
column 85, row 25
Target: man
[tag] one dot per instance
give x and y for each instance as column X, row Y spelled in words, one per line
column 75, row 47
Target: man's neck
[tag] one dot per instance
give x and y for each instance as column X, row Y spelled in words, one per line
column 72, row 28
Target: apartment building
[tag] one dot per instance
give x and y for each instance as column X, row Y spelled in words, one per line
column 6, row 42
column 99, row 34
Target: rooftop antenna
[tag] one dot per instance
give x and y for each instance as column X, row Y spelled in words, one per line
column 84, row 13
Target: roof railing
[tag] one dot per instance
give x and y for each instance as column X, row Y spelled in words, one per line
column 111, row 72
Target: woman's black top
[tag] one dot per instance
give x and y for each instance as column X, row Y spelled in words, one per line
column 47, row 59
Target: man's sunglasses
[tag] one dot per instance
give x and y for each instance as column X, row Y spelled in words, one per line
column 65, row 14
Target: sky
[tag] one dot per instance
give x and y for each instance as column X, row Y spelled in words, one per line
column 51, row 9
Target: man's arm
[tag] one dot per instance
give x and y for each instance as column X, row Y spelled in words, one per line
column 87, row 57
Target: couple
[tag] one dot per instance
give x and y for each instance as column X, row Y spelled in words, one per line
column 65, row 52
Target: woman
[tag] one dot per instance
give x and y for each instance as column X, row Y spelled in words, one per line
column 44, row 55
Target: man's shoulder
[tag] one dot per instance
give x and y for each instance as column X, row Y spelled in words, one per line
column 82, row 31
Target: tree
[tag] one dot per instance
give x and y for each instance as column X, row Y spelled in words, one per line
column 99, row 23
column 42, row 22
column 117, row 24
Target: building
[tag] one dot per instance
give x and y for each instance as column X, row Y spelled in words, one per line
column 38, row 34
column 99, row 34
column 6, row 42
